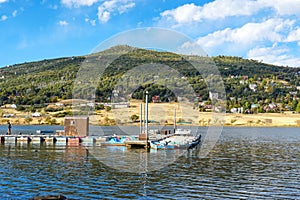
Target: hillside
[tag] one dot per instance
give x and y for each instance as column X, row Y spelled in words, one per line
column 249, row 84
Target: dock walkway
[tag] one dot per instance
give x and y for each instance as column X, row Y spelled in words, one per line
column 137, row 144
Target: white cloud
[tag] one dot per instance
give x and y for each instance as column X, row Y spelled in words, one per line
column 78, row 3
column 274, row 55
column 183, row 14
column 91, row 21
column 103, row 15
column 63, row 23
column 220, row 9
column 191, row 48
column 14, row 14
column 284, row 7
column 232, row 27
column 107, row 8
column 294, row 36
column 3, row 18
column 125, row 7
column 3, row 1
column 271, row 30
column 189, row 13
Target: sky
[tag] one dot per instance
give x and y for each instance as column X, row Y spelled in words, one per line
column 264, row 30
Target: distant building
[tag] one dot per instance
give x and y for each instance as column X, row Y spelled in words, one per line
column 208, row 108
column 117, row 105
column 156, row 99
column 8, row 115
column 242, row 82
column 237, row 110
column 36, row 114
column 272, row 107
column 254, row 106
column 213, row 95
column 76, row 126
column 253, row 87
column 59, row 104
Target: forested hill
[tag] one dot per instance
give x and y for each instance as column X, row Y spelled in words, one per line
column 246, row 81
column 229, row 65
column 38, row 82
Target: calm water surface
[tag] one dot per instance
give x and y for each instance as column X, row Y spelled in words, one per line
column 246, row 163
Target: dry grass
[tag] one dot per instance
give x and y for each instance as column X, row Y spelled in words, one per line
column 163, row 113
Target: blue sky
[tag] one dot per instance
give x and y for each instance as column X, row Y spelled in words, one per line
column 264, row 30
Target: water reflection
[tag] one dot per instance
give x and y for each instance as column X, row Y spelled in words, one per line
column 242, row 166
column 135, row 160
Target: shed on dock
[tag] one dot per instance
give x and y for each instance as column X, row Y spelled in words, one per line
column 76, row 126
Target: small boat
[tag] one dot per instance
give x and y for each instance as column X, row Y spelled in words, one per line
column 181, row 139
column 195, row 143
column 117, row 140
column 43, row 132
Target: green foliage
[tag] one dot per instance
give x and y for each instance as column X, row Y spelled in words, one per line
column 53, row 122
column 134, row 117
column 31, row 109
column 20, row 108
column 53, row 109
column 99, row 107
column 107, row 122
column 48, row 81
column 108, row 108
column 28, row 120
column 298, row 108
column 63, row 114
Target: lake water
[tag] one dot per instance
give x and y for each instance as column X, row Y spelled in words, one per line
column 246, row 163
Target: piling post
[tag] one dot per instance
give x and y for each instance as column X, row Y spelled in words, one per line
column 174, row 120
column 141, row 118
column 146, row 124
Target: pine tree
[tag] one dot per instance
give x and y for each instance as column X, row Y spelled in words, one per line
column 298, row 108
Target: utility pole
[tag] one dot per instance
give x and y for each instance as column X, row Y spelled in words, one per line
column 141, row 119
column 174, row 120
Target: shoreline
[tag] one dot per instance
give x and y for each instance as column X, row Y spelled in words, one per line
column 204, row 119
column 161, row 114
column 136, row 124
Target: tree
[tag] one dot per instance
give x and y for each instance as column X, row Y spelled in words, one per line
column 298, row 108
column 294, row 104
column 134, row 118
column 100, row 107
column 108, row 108
column 28, row 120
column 247, row 105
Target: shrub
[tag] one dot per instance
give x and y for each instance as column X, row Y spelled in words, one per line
column 108, row 108
column 20, row 108
column 134, row 118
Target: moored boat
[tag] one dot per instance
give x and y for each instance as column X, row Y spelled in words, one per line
column 117, row 140
column 181, row 139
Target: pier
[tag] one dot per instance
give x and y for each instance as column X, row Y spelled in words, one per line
column 53, row 140
column 137, row 144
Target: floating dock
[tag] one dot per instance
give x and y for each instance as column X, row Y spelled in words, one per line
column 59, row 140
column 36, row 139
column 137, row 144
